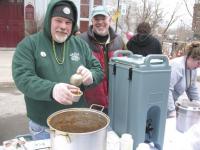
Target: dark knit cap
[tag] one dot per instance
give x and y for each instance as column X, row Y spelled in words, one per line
column 63, row 10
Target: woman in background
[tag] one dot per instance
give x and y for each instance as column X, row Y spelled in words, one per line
column 184, row 76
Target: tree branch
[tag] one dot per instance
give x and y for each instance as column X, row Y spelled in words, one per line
column 186, row 5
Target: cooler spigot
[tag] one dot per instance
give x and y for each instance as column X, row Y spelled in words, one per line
column 149, row 128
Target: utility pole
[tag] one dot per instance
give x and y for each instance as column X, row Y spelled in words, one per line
column 117, row 17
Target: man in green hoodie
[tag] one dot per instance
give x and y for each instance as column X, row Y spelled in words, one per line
column 44, row 62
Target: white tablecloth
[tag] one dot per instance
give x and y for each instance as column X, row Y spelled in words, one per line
column 173, row 139
column 171, row 134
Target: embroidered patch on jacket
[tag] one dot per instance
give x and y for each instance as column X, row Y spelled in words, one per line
column 75, row 56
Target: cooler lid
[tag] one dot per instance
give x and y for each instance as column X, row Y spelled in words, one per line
column 139, row 60
column 135, row 60
column 126, row 57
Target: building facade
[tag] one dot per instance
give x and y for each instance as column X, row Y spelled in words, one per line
column 19, row 18
column 11, row 22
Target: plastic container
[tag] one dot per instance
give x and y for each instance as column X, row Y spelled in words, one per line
column 146, row 146
column 126, row 142
column 139, row 84
column 113, row 141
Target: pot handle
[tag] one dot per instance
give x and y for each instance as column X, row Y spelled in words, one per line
column 68, row 138
column 65, row 137
column 96, row 105
column 55, row 133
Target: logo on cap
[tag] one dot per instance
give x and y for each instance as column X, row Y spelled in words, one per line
column 66, row 10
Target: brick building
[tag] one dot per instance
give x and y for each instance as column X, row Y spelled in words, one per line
column 19, row 18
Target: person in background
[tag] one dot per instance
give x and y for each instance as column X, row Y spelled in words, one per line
column 143, row 43
column 103, row 41
column 184, row 76
column 129, row 35
column 44, row 62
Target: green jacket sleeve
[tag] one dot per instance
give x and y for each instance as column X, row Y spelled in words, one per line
column 25, row 76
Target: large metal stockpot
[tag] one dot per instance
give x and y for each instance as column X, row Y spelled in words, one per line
column 187, row 114
column 78, row 128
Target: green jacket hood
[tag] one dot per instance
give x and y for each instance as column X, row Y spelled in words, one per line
column 48, row 16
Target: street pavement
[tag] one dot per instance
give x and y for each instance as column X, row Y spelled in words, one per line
column 13, row 120
column 5, row 65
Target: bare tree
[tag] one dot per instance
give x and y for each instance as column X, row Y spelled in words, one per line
column 187, row 7
column 157, row 16
column 149, row 11
column 172, row 20
column 140, row 11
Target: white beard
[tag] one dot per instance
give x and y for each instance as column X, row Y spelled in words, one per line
column 102, row 32
column 60, row 39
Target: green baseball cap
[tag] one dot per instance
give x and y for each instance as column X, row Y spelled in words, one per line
column 100, row 10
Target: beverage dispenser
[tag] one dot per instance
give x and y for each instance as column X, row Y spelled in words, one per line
column 138, row 95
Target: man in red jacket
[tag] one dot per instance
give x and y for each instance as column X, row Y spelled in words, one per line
column 103, row 41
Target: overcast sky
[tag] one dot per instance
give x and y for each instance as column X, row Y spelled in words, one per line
column 184, row 18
